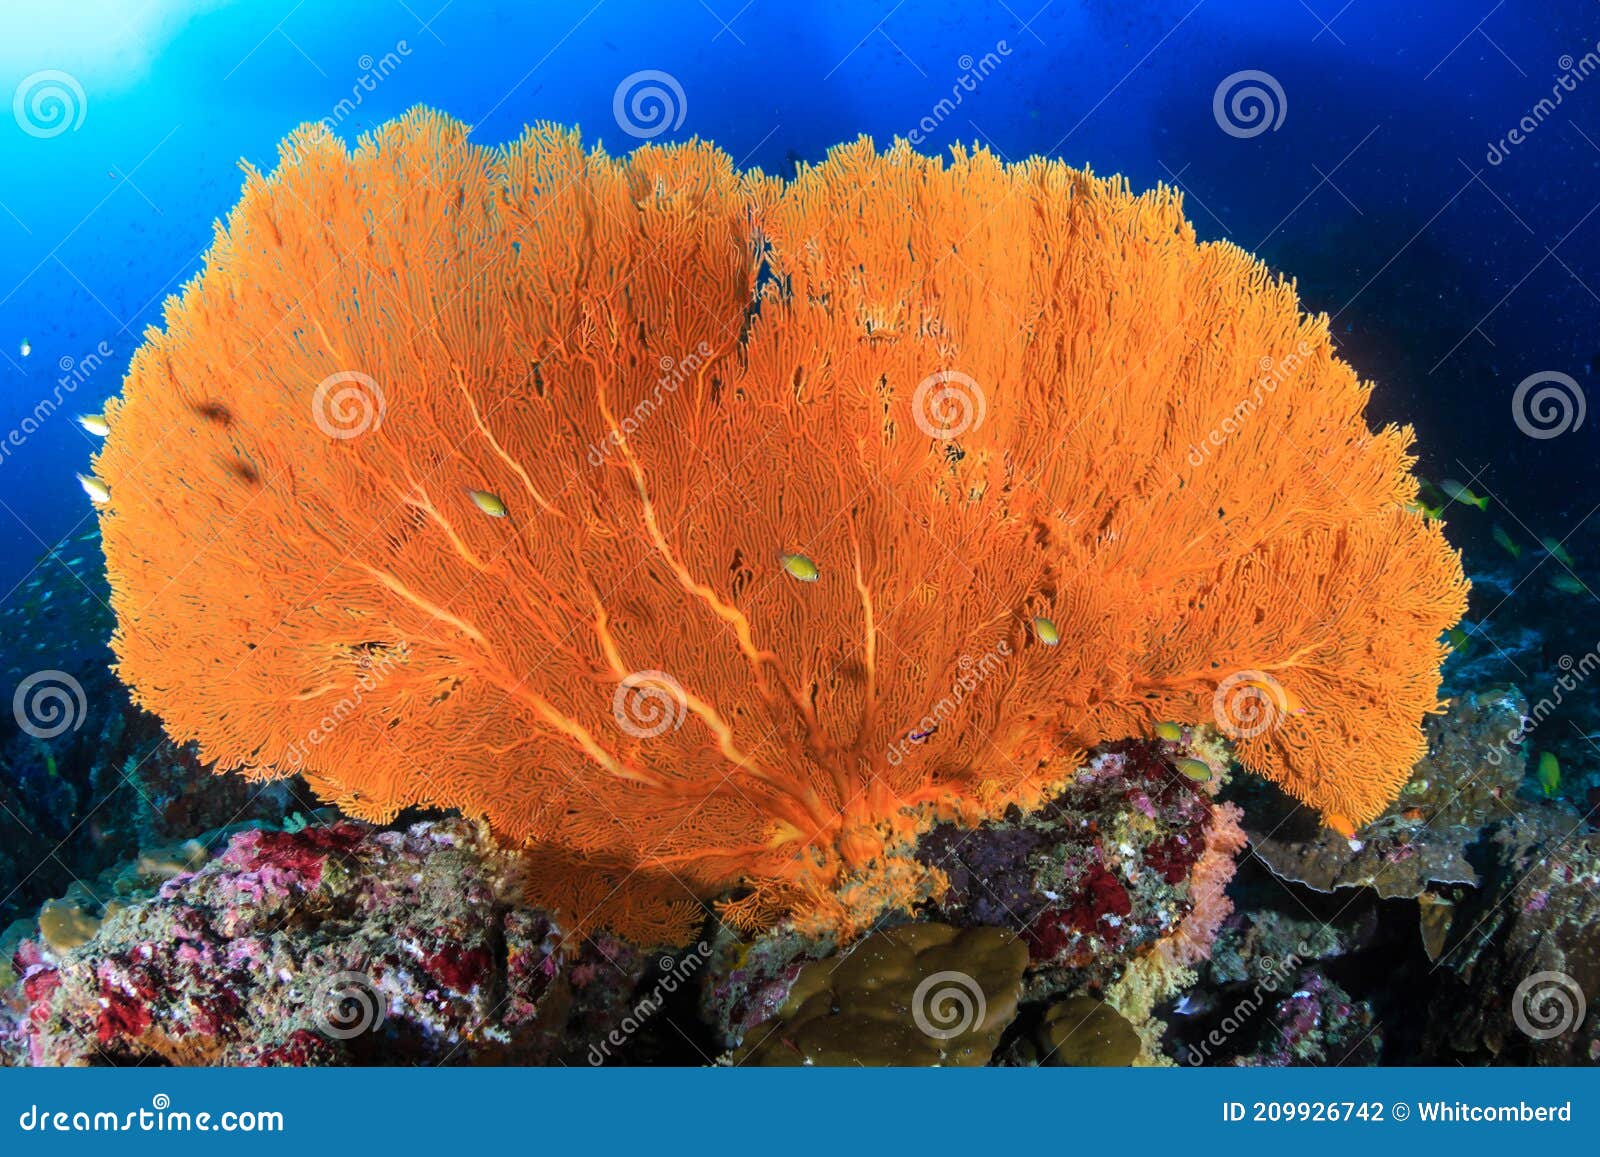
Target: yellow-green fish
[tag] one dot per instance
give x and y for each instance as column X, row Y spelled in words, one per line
column 1170, row 732
column 1422, row 508
column 1046, row 631
column 1504, row 539
column 488, row 503
column 1557, row 551
column 99, row 493
column 95, row 424
column 1568, row 585
column 1549, row 774
column 800, row 567
column 1194, row 769
column 1460, row 493
column 1460, row 642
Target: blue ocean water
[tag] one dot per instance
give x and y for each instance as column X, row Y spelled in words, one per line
column 1455, row 263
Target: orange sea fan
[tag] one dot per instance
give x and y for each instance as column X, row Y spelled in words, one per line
column 972, row 395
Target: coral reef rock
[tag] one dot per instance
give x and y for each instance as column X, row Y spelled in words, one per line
column 333, row 944
column 1523, row 960
column 920, row 994
column 1468, row 780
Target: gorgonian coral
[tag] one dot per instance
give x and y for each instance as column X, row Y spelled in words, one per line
column 711, row 535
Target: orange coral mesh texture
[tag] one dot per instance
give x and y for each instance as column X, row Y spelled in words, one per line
column 971, row 394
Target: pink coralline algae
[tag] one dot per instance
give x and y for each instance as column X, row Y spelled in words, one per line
column 335, row 944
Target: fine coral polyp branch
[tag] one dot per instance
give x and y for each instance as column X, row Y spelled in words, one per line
column 719, row 534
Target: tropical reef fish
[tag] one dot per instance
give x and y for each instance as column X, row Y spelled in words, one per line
column 800, row 567
column 1171, row 732
column 1046, row 631
column 488, row 503
column 99, row 493
column 1557, row 551
column 1460, row 493
column 1549, row 774
column 1195, row 769
column 1569, row 585
column 1422, row 508
column 1460, row 642
column 95, row 424
column 1504, row 539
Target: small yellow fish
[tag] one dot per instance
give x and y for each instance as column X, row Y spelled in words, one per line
column 1197, row 770
column 1433, row 512
column 1568, row 585
column 99, row 493
column 26, row 349
column 1340, row 824
column 1046, row 631
column 1460, row 642
column 800, row 567
column 1557, row 551
column 488, row 503
column 95, row 424
column 1549, row 774
column 1459, row 493
column 1171, row 732
column 1504, row 539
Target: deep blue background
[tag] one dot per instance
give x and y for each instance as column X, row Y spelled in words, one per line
column 1449, row 279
